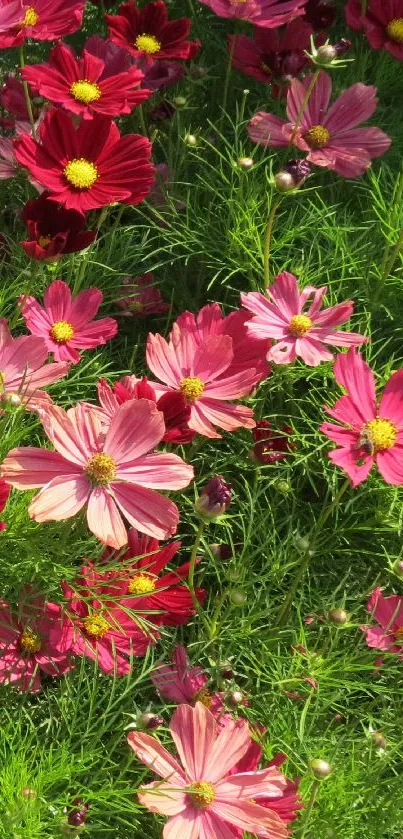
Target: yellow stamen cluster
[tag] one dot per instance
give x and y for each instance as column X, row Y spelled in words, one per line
column 96, row 625
column 201, row 795
column 30, row 641
column 141, row 584
column 85, row 91
column 101, row 469
column 192, row 388
column 317, row 137
column 44, row 241
column 399, row 635
column 147, row 43
column 204, row 697
column 135, row 306
column 382, row 434
column 395, row 29
column 61, row 331
column 31, row 17
column 300, row 325
column 81, row 173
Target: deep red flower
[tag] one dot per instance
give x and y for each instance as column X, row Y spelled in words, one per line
column 53, row 230
column 5, row 490
column 147, row 32
column 161, row 74
column 383, row 26
column 82, row 86
column 272, row 54
column 88, row 166
column 320, row 14
column 271, row 445
column 12, row 98
column 42, row 20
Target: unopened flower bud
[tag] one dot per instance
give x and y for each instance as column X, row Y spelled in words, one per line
column 78, row 815
column 237, row 597
column 398, row 567
column 326, row 53
column 149, row 721
column 180, row 101
column 14, row 400
column 320, row 768
column 338, row 616
column 245, row 162
column 283, row 486
column 222, row 552
column 235, row 698
column 29, row 793
column 226, row 670
column 214, row 498
column 378, row 739
column 292, row 175
column 191, row 140
column 342, row 46
column 165, row 110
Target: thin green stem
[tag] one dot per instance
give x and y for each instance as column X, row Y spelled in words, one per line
column 267, row 239
column 309, row 807
column 390, row 262
column 216, row 614
column 142, row 120
column 26, row 94
column 192, row 567
column 226, row 83
column 304, row 103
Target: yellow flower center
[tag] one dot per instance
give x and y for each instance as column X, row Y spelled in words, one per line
column 31, row 17
column 141, row 584
column 62, row 331
column 192, row 388
column 395, row 29
column 382, row 434
column 201, row 794
column 96, row 625
column 399, row 635
column 204, row 697
column 44, row 241
column 30, row 641
column 101, row 469
column 81, row 173
column 147, row 43
column 317, row 136
column 85, row 91
column 300, row 325
column 136, row 306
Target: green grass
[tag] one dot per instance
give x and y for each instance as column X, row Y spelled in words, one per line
column 70, row 740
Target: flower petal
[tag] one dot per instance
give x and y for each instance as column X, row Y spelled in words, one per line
column 146, row 510
column 193, row 731
column 60, row 499
column 104, row 519
column 150, row 751
column 136, row 428
column 158, row 471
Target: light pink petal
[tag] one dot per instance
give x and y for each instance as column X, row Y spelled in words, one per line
column 267, row 130
column 158, row 471
column 346, row 411
column 60, row 499
column 63, row 435
column 233, row 387
column 22, row 356
column 388, row 611
column 352, row 107
column 311, row 351
column 390, row 465
column 314, row 112
column 136, row 428
column 93, row 334
column 150, row 751
column 46, row 375
column 214, row 826
column 28, row 467
column 89, row 424
column 334, row 315
column 6, row 339
column 347, row 461
column 186, row 825
column 356, row 376
column 193, row 731
column 318, row 295
column 146, row 510
column 269, row 320
column 163, row 361
column 340, row 339
column 375, row 638
column 230, row 746
column 85, row 306
column 371, row 140
column 267, row 783
column 163, row 798
column 252, row 818
column 212, row 358
column 285, row 295
column 283, row 352
column 391, row 404
column 57, row 301
column 199, row 422
column 225, row 415
column 104, row 519
column 341, row 436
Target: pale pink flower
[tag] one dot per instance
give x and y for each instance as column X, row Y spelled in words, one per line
column 210, row 360
column 200, row 796
column 280, row 315
column 23, row 370
column 267, row 13
column 329, row 135
column 180, row 682
column 8, row 164
column 111, row 473
column 388, row 612
column 371, row 432
column 65, row 323
column 141, row 297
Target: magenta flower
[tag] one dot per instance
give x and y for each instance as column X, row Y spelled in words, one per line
column 370, row 432
column 5, row 490
column 329, row 135
column 388, row 612
column 353, row 13
column 111, row 473
column 272, row 55
column 140, row 297
column 24, row 372
column 210, row 360
column 65, row 323
column 280, row 315
column 180, row 682
column 200, row 796
column 28, row 644
column 382, row 23
column 268, row 13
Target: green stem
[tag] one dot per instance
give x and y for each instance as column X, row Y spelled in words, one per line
column 142, row 120
column 267, row 239
column 309, row 807
column 304, row 103
column 26, row 94
column 390, row 261
column 192, row 568
column 283, row 612
column 216, row 614
column 226, row 83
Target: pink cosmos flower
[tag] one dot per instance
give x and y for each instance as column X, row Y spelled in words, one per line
column 140, row 297
column 210, row 360
column 268, row 13
column 329, row 135
column 65, row 323
column 382, row 23
column 180, row 682
column 200, row 796
column 280, row 315
column 111, row 473
column 287, row 804
column 388, row 612
column 371, row 432
column 42, row 20
column 23, row 370
column 27, row 644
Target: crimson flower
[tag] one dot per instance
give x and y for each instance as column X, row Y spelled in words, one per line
column 5, row 490
column 53, row 230
column 28, row 644
column 383, row 26
column 42, row 20
column 320, row 14
column 81, row 86
column 272, row 54
column 140, row 297
column 271, row 445
column 88, row 166
column 12, row 98
column 148, row 33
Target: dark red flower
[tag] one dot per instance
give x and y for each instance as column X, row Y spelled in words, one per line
column 147, row 32
column 320, row 14
column 383, row 26
column 215, row 498
column 38, row 19
column 88, row 166
column 5, row 490
column 78, row 813
column 116, row 59
column 160, row 74
column 53, row 230
column 271, row 445
column 12, row 98
column 272, row 54
column 84, row 85
column 141, row 297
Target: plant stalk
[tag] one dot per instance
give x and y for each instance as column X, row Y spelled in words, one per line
column 26, row 94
